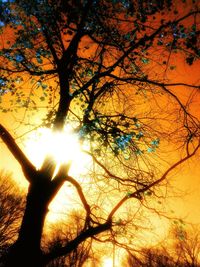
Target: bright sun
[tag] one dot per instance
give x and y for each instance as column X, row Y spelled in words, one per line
column 108, row 262
column 63, row 146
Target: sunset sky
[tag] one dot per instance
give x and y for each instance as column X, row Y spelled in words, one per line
column 182, row 190
column 186, row 179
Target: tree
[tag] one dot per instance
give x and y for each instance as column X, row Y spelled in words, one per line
column 151, row 258
column 100, row 67
column 11, row 210
column 186, row 245
column 182, row 250
column 60, row 236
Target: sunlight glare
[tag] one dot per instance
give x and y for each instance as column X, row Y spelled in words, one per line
column 108, row 262
column 64, row 147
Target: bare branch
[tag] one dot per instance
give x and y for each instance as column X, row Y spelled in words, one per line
column 131, row 79
column 81, row 194
column 28, row 168
column 161, row 85
column 103, row 167
column 137, row 193
column 71, row 245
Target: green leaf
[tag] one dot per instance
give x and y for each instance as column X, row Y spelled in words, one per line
column 119, row 221
column 145, row 60
column 150, row 149
column 172, row 67
column 148, row 193
column 39, row 60
column 128, row 194
column 44, row 86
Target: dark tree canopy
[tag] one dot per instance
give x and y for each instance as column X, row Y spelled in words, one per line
column 102, row 67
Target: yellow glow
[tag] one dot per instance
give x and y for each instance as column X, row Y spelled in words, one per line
column 63, row 146
column 108, row 262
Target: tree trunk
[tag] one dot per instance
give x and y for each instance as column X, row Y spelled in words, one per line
column 26, row 251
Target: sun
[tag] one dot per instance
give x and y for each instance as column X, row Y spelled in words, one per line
column 63, row 146
column 108, row 262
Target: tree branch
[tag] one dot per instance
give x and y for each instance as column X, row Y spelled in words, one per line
column 28, row 168
column 161, row 85
column 111, row 68
column 71, row 245
column 137, row 193
column 81, row 194
column 103, row 167
column 70, row 52
column 144, row 80
column 119, row 179
column 59, row 179
column 142, row 41
column 32, row 72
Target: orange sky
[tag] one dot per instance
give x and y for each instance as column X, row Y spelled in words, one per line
column 187, row 179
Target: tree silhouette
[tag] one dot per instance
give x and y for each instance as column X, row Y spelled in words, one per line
column 151, row 258
column 187, row 244
column 11, row 211
column 60, row 236
column 99, row 66
column 182, row 251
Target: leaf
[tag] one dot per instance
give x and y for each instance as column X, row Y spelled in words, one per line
column 135, row 119
column 190, row 60
column 138, row 152
column 127, row 125
column 139, row 135
column 128, row 194
column 194, row 27
column 39, row 60
column 145, row 60
column 172, row 67
column 155, row 142
column 119, row 221
column 19, row 58
column 148, row 193
column 160, row 42
column 150, row 149
column 44, row 86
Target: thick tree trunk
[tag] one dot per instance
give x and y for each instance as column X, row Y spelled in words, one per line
column 26, row 251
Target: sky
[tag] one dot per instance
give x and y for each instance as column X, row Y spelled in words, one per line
column 184, row 197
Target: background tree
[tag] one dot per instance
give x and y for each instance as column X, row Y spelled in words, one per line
column 11, row 211
column 60, row 235
column 181, row 249
column 101, row 67
column 151, row 258
column 186, row 244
